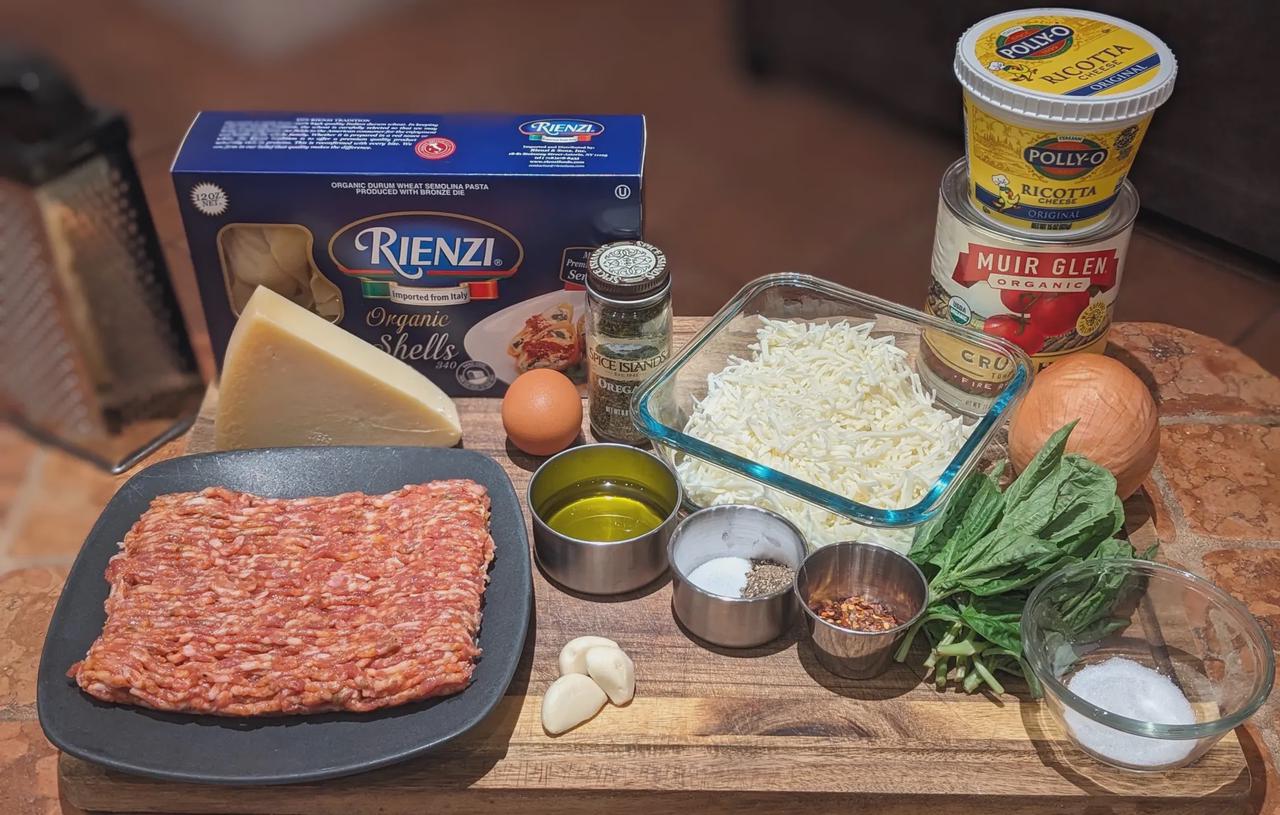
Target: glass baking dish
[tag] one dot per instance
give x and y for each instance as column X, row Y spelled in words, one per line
column 663, row 404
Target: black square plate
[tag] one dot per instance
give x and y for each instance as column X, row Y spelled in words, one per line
column 280, row 749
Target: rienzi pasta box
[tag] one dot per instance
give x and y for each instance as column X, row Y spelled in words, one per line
column 457, row 243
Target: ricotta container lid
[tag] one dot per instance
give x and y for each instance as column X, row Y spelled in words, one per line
column 1065, row 65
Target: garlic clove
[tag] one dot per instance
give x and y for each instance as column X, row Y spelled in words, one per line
column 613, row 671
column 574, row 654
column 570, row 701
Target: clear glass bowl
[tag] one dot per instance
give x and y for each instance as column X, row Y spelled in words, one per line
column 663, row 404
column 1167, row 620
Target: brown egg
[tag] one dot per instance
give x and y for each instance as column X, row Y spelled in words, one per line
column 542, row 412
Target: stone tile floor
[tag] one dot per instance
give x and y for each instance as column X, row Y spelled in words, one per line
column 1212, row 504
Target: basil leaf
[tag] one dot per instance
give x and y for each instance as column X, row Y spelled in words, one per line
column 1077, row 492
column 1039, row 468
column 1113, row 548
column 984, row 512
column 1029, row 575
column 1001, row 561
column 933, row 534
column 997, row 470
column 1092, row 605
column 1006, row 605
column 942, row 611
column 994, row 623
column 1083, row 526
column 1041, row 504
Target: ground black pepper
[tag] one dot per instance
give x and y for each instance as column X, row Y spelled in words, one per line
column 767, row 577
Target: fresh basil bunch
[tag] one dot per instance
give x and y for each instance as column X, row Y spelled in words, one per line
column 987, row 549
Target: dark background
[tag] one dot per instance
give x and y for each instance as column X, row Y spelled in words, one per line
column 1204, row 163
column 783, row 136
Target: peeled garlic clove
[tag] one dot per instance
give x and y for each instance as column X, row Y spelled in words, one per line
column 574, row 654
column 571, row 700
column 613, row 671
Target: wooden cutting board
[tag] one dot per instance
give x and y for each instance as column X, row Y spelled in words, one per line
column 762, row 730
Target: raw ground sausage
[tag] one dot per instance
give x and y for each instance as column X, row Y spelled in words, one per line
column 228, row 604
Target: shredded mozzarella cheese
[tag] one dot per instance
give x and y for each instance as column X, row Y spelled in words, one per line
column 831, row 405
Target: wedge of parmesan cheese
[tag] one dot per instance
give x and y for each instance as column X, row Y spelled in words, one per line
column 834, row 406
column 292, row 378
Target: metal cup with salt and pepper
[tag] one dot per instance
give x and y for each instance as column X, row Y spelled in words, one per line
column 732, row 570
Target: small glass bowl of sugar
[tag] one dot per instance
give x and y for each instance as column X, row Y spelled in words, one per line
column 1143, row 665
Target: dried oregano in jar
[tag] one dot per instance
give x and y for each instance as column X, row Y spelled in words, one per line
column 628, row 331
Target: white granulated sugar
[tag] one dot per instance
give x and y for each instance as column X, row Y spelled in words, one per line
column 1128, row 689
column 833, row 406
column 724, row 576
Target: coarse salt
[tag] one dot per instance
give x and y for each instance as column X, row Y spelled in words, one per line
column 724, row 576
column 1124, row 687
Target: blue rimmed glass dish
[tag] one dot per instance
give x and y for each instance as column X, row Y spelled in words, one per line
column 663, row 404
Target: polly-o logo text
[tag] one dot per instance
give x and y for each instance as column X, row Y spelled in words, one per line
column 1034, row 41
column 561, row 130
column 426, row 258
column 1065, row 158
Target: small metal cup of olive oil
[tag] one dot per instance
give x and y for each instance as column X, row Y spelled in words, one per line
column 602, row 515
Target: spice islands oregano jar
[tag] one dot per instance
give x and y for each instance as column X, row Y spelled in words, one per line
column 628, row 331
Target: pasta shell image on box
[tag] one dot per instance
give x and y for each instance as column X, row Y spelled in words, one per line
column 277, row 256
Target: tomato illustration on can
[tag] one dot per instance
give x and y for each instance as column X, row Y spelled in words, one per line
column 1036, row 316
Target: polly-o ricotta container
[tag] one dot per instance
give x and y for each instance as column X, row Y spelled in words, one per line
column 1056, row 102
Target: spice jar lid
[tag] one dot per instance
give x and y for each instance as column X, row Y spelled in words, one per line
column 627, row 269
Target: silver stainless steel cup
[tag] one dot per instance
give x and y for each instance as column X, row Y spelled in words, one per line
column 842, row 569
column 603, row 567
column 732, row 531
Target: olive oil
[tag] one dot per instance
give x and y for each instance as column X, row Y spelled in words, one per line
column 603, row 509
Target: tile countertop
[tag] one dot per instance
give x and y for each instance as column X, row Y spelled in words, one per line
column 1212, row 503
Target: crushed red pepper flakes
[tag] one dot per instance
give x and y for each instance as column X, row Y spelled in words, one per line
column 856, row 613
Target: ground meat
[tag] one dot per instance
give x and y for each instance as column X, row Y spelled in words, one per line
column 229, row 604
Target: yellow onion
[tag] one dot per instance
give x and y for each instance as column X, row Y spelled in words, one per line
column 1117, row 419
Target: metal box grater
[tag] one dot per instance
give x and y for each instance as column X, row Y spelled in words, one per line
column 94, row 354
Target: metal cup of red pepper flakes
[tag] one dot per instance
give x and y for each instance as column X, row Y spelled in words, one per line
column 859, row 599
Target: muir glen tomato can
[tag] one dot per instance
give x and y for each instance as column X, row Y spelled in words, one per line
column 1052, row 296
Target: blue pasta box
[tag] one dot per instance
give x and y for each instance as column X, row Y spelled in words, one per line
column 455, row 242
